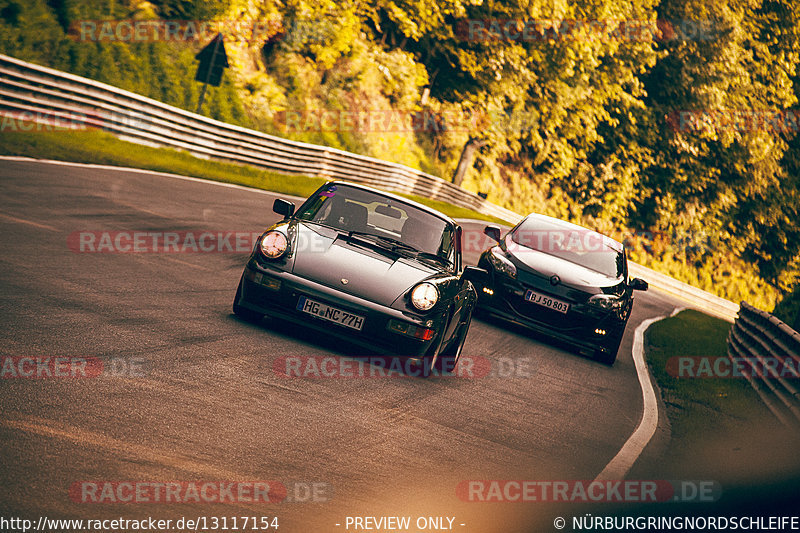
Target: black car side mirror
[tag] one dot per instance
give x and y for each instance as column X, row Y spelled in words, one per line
column 638, row 284
column 475, row 275
column 493, row 232
column 283, row 207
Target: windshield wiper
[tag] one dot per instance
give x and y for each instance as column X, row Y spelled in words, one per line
column 435, row 257
column 397, row 245
column 359, row 233
column 393, row 243
column 376, row 240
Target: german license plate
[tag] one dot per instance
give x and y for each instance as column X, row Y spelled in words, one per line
column 331, row 314
column 546, row 301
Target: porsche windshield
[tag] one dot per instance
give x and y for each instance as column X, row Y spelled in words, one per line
column 577, row 245
column 357, row 211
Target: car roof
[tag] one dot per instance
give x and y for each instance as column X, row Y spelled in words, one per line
column 401, row 199
column 558, row 224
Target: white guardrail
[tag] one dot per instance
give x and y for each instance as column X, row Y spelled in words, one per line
column 43, row 94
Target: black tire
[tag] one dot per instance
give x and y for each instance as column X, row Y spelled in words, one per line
column 430, row 361
column 447, row 362
column 243, row 312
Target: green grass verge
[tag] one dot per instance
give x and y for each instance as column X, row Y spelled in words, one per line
column 699, row 406
column 99, row 147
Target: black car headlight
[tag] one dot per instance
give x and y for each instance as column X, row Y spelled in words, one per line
column 273, row 244
column 424, row 296
column 607, row 301
column 501, row 263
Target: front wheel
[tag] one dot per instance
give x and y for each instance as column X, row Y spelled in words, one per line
column 448, row 359
column 243, row 312
column 439, row 361
column 430, row 361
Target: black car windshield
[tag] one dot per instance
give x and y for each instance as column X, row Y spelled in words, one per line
column 366, row 213
column 577, row 245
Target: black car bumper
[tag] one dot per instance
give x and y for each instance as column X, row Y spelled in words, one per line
column 277, row 293
column 583, row 327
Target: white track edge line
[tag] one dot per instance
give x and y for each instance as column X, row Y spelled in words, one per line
column 621, row 464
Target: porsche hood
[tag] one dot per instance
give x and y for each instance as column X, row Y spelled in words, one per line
column 353, row 266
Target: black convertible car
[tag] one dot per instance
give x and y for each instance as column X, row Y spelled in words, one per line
column 560, row 279
column 376, row 269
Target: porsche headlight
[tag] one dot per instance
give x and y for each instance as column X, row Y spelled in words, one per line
column 501, row 263
column 273, row 244
column 424, row 296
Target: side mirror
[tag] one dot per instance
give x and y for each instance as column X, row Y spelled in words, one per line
column 283, row 207
column 493, row 232
column 477, row 276
column 638, row 284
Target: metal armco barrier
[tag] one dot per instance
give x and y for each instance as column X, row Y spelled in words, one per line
column 52, row 94
column 773, row 348
column 702, row 300
column 46, row 95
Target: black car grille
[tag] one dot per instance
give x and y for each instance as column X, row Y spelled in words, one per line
column 577, row 317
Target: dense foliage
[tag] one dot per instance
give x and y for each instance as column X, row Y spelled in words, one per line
column 44, row 32
column 668, row 122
